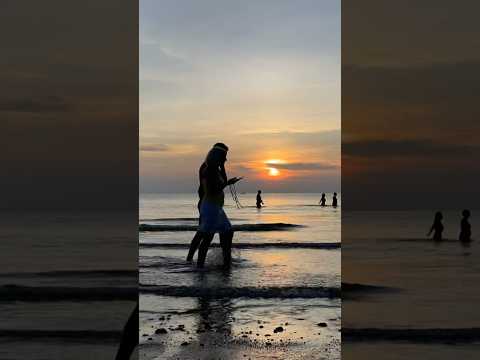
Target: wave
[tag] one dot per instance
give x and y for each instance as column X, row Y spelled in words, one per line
column 428, row 240
column 318, row 205
column 172, row 219
column 325, row 246
column 242, row 292
column 74, row 273
column 194, row 219
column 240, row 227
column 412, row 335
column 99, row 336
column 357, row 291
column 13, row 292
column 352, row 287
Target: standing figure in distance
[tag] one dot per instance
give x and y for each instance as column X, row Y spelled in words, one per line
column 437, row 227
column 323, row 200
column 334, row 201
column 259, row 199
column 465, row 227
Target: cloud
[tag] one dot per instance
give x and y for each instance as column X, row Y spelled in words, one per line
column 36, row 105
column 302, row 166
column 405, row 148
column 154, row 148
column 434, row 83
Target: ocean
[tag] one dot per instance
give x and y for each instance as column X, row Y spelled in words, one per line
column 422, row 296
column 68, row 282
column 280, row 299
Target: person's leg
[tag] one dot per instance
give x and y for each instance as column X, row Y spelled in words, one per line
column 129, row 337
column 194, row 245
column 203, row 249
column 226, row 243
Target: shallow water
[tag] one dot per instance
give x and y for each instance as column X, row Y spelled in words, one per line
column 64, row 296
column 267, row 283
column 427, row 285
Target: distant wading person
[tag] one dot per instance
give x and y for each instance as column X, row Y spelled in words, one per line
column 212, row 217
column 259, row 199
column 437, row 227
column 334, row 201
column 198, row 235
column 465, row 227
column 323, row 200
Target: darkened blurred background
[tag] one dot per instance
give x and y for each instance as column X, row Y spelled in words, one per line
column 410, row 147
column 69, row 176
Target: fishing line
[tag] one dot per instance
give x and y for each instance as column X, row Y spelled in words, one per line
column 233, row 192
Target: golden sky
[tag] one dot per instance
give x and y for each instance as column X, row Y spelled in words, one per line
column 262, row 77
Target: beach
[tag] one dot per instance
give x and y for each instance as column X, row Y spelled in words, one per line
column 279, row 300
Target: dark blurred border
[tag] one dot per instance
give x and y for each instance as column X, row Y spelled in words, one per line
column 69, row 175
column 410, row 144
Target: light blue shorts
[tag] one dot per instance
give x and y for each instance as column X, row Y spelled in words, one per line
column 213, row 219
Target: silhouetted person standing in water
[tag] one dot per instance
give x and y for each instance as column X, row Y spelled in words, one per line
column 323, row 200
column 437, row 227
column 129, row 337
column 212, row 217
column 259, row 199
column 335, row 201
column 465, row 227
column 198, row 235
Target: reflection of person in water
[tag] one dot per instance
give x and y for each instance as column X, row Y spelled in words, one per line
column 198, row 235
column 323, row 200
column 334, row 201
column 259, row 199
column 212, row 217
column 437, row 227
column 215, row 318
column 465, row 228
column 129, row 337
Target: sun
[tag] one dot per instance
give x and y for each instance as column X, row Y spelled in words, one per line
column 273, row 172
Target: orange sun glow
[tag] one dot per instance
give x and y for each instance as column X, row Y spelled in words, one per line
column 273, row 172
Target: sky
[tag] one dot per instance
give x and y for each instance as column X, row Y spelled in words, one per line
column 410, row 84
column 69, row 105
column 261, row 76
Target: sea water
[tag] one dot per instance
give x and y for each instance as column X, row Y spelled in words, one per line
column 277, row 277
column 423, row 285
column 68, row 283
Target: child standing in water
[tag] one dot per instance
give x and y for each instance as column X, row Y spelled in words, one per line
column 323, row 200
column 465, row 228
column 259, row 199
column 437, row 227
column 334, row 202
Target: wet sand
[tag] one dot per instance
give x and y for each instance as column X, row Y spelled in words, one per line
column 241, row 329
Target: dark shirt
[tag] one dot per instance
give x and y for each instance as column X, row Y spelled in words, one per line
column 212, row 182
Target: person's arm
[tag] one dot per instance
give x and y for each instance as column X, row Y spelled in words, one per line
column 431, row 229
column 233, row 180
column 223, row 173
column 226, row 180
